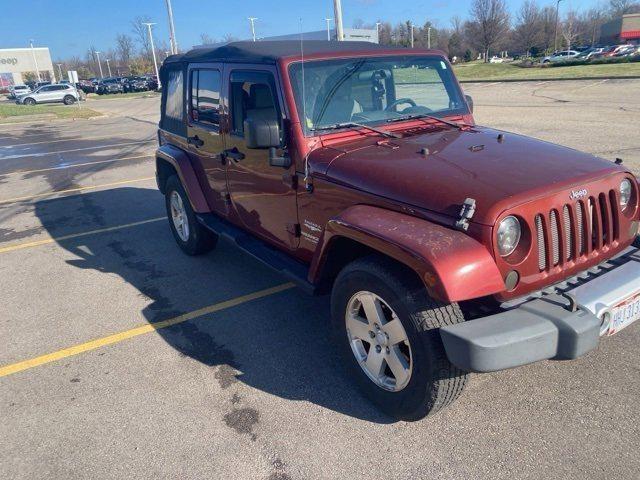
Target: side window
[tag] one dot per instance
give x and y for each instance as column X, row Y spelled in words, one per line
column 252, row 93
column 205, row 96
column 174, row 105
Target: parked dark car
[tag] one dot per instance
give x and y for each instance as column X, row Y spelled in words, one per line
column 152, row 82
column 135, row 84
column 86, row 86
column 447, row 247
column 110, row 85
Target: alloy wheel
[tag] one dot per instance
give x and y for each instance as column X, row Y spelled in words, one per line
column 379, row 341
column 179, row 216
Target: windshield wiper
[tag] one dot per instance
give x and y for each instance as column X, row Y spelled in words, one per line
column 457, row 125
column 337, row 126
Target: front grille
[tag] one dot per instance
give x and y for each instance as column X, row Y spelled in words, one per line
column 576, row 229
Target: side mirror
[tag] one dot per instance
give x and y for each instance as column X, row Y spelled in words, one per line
column 469, row 102
column 261, row 129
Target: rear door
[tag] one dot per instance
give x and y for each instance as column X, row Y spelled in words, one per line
column 204, row 132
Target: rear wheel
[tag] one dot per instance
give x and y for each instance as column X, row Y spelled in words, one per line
column 69, row 100
column 191, row 236
column 387, row 328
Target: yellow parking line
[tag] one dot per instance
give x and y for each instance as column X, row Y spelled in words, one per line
column 78, row 189
column 73, row 165
column 101, row 137
column 45, row 241
column 134, row 332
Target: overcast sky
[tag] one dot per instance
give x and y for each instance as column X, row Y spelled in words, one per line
column 69, row 27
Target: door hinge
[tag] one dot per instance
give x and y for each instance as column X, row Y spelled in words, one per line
column 294, row 229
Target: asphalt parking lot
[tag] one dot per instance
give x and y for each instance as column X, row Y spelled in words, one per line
column 124, row 358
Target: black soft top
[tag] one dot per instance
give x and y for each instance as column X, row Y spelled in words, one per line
column 269, row 51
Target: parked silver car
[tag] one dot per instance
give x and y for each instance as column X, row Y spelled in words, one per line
column 560, row 56
column 66, row 94
column 16, row 90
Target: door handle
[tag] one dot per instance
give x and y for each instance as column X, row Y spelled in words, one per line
column 233, row 153
column 195, row 141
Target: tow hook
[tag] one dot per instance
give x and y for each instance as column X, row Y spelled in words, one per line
column 466, row 213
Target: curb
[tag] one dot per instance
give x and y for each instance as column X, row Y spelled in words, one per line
column 514, row 80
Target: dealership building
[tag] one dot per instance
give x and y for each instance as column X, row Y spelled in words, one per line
column 15, row 63
column 625, row 29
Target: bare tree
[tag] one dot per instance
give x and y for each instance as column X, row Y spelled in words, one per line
column 617, row 8
column 124, row 49
column 569, row 30
column 358, row 23
column 528, row 32
column 206, row 39
column 141, row 34
column 489, row 25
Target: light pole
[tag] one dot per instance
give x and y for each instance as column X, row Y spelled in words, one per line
column 378, row 30
column 153, row 50
column 35, row 62
column 99, row 64
column 252, row 20
column 411, row 32
column 59, row 71
column 429, row 37
column 328, row 20
column 337, row 14
column 172, row 30
column 555, row 33
column 108, row 66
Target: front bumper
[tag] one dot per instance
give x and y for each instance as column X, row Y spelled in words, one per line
column 563, row 323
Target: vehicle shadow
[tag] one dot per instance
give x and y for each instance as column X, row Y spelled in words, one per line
column 278, row 344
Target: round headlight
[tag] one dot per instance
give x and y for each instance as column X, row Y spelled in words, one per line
column 508, row 235
column 625, row 193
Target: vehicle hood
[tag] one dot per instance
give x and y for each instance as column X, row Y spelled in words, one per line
column 498, row 169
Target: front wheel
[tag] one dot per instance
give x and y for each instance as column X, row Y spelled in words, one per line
column 387, row 328
column 29, row 101
column 191, row 236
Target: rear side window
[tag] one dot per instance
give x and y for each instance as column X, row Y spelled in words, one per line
column 205, row 96
column 174, row 104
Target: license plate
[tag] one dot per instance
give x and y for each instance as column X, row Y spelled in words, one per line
column 624, row 314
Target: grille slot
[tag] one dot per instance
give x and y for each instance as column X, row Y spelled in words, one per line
column 594, row 221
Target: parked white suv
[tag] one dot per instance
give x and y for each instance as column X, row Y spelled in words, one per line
column 16, row 90
column 560, row 56
column 66, row 94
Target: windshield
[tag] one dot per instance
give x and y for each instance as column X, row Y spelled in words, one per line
column 373, row 90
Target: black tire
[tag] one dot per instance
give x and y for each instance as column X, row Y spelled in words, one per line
column 29, row 101
column 200, row 240
column 434, row 382
column 69, row 100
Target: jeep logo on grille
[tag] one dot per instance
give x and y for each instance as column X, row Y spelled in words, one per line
column 578, row 194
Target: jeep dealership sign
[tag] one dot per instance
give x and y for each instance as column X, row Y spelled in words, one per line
column 8, row 61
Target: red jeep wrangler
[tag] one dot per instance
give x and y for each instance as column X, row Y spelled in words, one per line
column 358, row 170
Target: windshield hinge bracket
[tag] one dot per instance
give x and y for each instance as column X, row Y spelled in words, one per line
column 466, row 213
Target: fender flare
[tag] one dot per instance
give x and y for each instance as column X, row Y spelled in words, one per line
column 181, row 163
column 452, row 265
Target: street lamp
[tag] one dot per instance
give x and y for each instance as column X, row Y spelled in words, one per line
column 172, row 29
column 59, row 70
column 429, row 37
column 411, row 28
column 378, row 30
column 35, row 61
column 555, row 34
column 328, row 20
column 153, row 50
column 99, row 64
column 108, row 66
column 253, row 27
column 337, row 14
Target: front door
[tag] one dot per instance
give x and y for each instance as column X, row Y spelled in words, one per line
column 205, row 142
column 262, row 196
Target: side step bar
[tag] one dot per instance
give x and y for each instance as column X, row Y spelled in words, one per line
column 270, row 256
